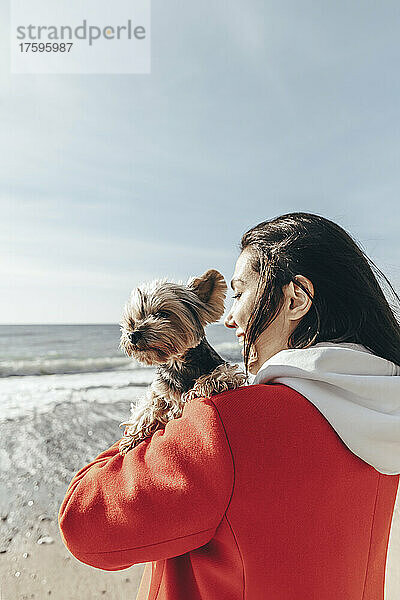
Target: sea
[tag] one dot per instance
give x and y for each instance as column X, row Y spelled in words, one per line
column 44, row 365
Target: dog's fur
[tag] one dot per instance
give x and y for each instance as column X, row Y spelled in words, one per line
column 163, row 324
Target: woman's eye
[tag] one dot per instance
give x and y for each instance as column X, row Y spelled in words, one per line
column 236, row 296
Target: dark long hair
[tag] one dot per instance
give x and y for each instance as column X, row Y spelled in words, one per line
column 348, row 304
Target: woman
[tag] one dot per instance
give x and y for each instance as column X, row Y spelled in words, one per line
column 281, row 490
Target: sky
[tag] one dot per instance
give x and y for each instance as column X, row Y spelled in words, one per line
column 252, row 109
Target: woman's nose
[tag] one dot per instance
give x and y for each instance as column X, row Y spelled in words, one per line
column 229, row 322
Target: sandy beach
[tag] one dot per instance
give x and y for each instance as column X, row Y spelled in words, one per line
column 38, row 457
column 39, row 454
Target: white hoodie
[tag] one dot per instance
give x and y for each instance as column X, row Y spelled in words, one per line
column 356, row 391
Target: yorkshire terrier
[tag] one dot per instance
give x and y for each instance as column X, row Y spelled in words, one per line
column 163, row 324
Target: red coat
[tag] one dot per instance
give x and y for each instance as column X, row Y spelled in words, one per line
column 248, row 496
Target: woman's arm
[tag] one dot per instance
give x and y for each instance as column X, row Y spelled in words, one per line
column 163, row 498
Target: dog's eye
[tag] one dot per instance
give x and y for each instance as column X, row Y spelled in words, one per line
column 163, row 314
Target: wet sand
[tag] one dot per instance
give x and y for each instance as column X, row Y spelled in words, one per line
column 38, row 457
column 39, row 454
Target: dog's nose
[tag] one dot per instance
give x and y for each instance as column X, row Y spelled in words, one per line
column 135, row 336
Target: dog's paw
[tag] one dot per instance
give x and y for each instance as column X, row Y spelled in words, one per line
column 225, row 377
column 125, row 445
column 133, row 437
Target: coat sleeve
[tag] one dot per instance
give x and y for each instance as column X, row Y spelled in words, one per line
column 163, row 498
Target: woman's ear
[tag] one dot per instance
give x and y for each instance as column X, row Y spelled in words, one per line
column 300, row 302
column 211, row 289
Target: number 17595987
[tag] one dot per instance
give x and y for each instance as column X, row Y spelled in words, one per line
column 45, row 47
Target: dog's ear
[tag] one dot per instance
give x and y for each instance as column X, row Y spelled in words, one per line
column 211, row 290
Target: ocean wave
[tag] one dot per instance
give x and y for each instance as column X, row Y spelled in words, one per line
column 22, row 395
column 56, row 366
column 102, row 386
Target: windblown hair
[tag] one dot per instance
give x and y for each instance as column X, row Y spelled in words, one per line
column 348, row 305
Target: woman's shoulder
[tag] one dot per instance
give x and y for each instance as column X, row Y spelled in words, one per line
column 250, row 393
column 272, row 405
column 255, row 389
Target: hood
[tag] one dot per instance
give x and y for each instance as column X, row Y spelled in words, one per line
column 356, row 391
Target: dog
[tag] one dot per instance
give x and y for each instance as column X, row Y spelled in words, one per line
column 163, row 324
